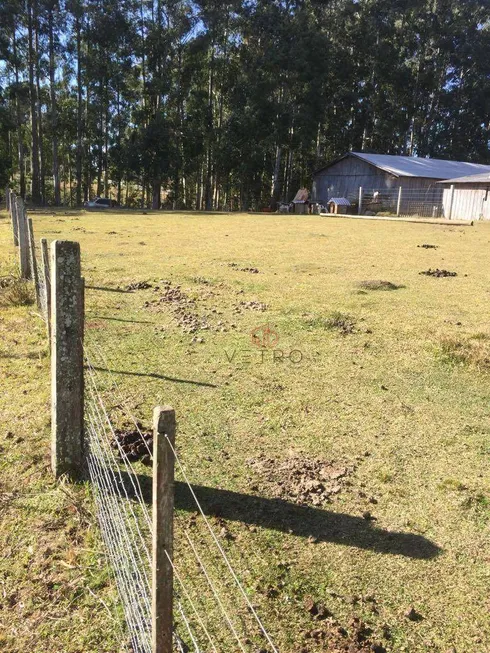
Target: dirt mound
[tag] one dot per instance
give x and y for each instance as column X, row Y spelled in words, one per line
column 235, row 267
column 173, row 295
column 138, row 285
column 190, row 322
column 253, row 306
column 378, row 284
column 438, row 273
column 135, row 443
column 331, row 636
column 341, row 322
column 305, row 481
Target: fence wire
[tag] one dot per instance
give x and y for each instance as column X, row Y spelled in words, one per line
column 213, row 610
column 409, row 202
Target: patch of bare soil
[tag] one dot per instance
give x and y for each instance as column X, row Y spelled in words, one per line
column 250, row 306
column 341, row 322
column 333, row 637
column 136, row 444
column 378, row 284
column 438, row 273
column 171, row 295
column 305, row 481
column 427, row 246
column 138, row 285
column 235, row 267
column 183, row 309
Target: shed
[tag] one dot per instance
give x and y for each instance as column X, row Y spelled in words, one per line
column 338, row 205
column 467, row 198
column 300, row 201
column 386, row 172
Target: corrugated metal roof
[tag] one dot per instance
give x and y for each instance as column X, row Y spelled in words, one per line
column 340, row 201
column 414, row 166
column 470, row 179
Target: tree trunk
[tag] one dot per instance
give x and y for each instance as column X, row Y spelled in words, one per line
column 276, row 179
column 54, row 113
column 42, row 177
column 208, row 191
column 78, row 28
column 35, row 187
column 20, row 140
column 156, row 193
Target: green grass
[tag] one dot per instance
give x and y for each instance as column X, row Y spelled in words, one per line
column 388, row 400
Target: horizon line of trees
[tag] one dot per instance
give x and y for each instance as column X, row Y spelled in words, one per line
column 207, row 104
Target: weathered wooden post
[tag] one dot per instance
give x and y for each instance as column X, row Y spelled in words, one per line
column 25, row 271
column 14, row 216
column 451, row 200
column 163, row 529
column 47, row 284
column 33, row 261
column 399, row 201
column 359, row 207
column 66, row 359
column 7, row 199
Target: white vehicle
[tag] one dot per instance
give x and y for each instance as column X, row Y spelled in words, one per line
column 100, row 203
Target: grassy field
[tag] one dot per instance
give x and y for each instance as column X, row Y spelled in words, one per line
column 382, row 388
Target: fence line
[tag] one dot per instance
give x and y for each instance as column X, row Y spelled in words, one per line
column 220, row 616
column 400, row 201
column 216, row 594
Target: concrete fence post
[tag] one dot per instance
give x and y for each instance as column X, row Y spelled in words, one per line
column 163, row 529
column 359, row 207
column 13, row 215
column 23, row 239
column 47, row 284
column 33, row 261
column 66, row 359
column 399, row 201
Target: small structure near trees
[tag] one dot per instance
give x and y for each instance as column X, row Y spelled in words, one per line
column 338, row 205
column 300, row 201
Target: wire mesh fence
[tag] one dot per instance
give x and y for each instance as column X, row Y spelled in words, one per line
column 213, row 611
column 399, row 201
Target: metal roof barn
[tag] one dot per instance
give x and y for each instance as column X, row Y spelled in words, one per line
column 386, row 172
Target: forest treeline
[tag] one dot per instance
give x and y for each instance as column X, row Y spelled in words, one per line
column 231, row 103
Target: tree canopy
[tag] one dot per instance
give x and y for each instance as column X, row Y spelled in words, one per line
column 227, row 104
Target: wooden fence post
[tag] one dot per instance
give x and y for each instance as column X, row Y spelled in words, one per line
column 163, row 529
column 359, row 207
column 25, row 271
column 15, row 220
column 66, row 359
column 451, row 201
column 7, row 199
column 33, row 261
column 399, row 201
column 47, row 284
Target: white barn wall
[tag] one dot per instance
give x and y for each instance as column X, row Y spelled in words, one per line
column 470, row 202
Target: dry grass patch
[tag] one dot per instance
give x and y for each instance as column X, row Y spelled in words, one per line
column 15, row 292
column 384, row 406
column 473, row 351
